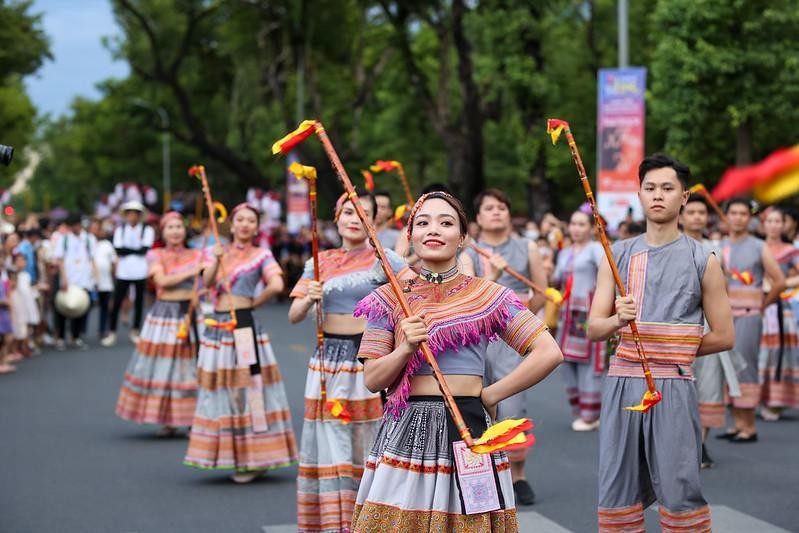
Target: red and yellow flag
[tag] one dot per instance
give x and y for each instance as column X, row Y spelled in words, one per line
column 287, row 143
column 368, row 180
column 555, row 127
column 505, row 435
column 384, row 166
column 774, row 178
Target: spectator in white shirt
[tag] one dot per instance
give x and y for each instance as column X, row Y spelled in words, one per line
column 132, row 241
column 105, row 261
column 74, row 251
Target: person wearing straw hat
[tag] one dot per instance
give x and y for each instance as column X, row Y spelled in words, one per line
column 73, row 251
column 492, row 207
column 651, row 452
column 412, row 478
column 132, row 240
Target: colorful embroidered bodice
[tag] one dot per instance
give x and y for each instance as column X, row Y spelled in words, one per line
column 462, row 314
column 743, row 265
column 246, row 271
column 174, row 261
column 347, row 277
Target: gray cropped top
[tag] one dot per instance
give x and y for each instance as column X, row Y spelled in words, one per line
column 348, row 276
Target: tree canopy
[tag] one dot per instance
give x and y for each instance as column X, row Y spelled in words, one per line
column 457, row 90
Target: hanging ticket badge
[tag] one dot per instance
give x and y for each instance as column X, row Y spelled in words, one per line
column 476, row 478
column 244, row 341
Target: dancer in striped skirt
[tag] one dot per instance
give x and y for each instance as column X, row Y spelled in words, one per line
column 243, row 422
column 584, row 359
column 779, row 345
column 160, row 383
column 412, row 482
column 334, row 443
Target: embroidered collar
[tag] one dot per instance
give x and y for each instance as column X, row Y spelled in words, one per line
column 438, row 277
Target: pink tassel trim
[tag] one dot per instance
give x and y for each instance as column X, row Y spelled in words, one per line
column 451, row 335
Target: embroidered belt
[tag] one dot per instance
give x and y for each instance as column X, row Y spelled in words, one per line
column 672, row 344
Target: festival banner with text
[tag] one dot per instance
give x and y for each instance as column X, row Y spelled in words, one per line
column 620, row 142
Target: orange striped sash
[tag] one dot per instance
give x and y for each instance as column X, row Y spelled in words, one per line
column 663, row 343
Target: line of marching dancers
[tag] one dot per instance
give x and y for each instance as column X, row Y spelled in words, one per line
column 379, row 448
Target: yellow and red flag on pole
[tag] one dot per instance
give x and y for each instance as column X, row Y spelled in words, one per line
column 368, row 180
column 384, row 166
column 771, row 180
column 287, row 143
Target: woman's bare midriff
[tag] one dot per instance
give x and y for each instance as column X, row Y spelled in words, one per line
column 341, row 324
column 459, row 385
column 175, row 295
column 239, row 302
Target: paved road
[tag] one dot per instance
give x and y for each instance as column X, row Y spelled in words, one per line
column 67, row 464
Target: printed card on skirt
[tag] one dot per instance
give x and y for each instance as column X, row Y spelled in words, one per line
column 476, row 478
column 244, row 340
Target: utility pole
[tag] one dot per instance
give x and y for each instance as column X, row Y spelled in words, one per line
column 624, row 34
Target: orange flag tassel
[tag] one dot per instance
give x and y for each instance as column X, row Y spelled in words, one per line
column 368, row 180
column 555, row 128
column 388, row 166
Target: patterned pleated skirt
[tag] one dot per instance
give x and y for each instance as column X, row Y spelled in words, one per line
column 222, row 434
column 410, row 483
column 160, row 383
column 779, row 356
column 332, row 454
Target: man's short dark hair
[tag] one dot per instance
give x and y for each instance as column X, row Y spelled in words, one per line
column 738, row 200
column 698, row 198
column 382, row 192
column 491, row 193
column 72, row 219
column 656, row 161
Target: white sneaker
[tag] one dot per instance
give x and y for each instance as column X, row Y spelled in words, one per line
column 60, row 345
column 48, row 340
column 769, row 415
column 109, row 340
column 134, row 336
column 581, row 425
column 246, row 477
column 79, row 344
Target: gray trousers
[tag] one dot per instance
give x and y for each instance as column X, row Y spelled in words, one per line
column 650, row 456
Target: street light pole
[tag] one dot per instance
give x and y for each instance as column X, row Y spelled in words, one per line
column 166, row 176
column 624, row 34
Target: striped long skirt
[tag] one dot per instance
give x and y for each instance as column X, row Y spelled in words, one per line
column 222, row 435
column 410, row 483
column 332, row 454
column 160, row 383
column 779, row 357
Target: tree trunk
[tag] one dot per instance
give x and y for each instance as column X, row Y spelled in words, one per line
column 538, row 190
column 743, row 145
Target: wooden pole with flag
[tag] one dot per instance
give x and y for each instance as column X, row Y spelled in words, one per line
column 504, row 435
column 198, row 171
column 555, row 127
column 336, row 407
column 550, row 293
column 388, row 166
column 701, row 189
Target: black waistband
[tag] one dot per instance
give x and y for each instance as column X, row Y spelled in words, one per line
column 354, row 338
column 435, row 398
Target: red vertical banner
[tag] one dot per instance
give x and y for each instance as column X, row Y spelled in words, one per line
column 620, row 142
column 298, row 208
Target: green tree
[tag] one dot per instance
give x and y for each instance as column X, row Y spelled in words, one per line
column 23, row 49
column 726, row 80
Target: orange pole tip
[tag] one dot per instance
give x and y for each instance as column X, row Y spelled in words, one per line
column 648, row 401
